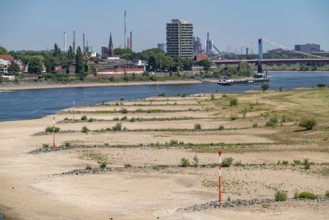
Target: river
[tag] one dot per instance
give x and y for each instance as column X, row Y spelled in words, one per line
column 30, row 104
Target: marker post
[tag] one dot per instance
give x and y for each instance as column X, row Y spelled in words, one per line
column 54, row 144
column 220, row 177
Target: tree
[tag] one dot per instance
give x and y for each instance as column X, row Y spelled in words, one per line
column 79, row 63
column 13, row 68
column 35, row 65
column 70, row 53
column 265, row 87
column 244, row 69
column 3, row 50
column 308, row 123
column 57, row 51
column 205, row 63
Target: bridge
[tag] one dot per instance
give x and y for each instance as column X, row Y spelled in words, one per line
column 273, row 61
column 261, row 61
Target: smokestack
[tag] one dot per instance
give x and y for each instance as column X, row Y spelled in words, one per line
column 64, row 40
column 83, row 43
column 260, row 55
column 125, row 30
column 73, row 41
column 131, row 41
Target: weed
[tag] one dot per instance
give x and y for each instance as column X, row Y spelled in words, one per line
column 185, row 162
column 127, row 165
column 124, row 111
column 233, row 101
column 272, row 122
column 227, row 162
column 84, row 118
column 255, row 125
column 212, row 97
column 221, row 127
column 197, row 126
column 285, row 162
column 280, row 196
column 327, row 194
column 45, row 145
column 234, row 117
column 85, row 129
column 297, row 162
column 307, row 195
column 88, row 167
column 51, row 129
column 102, row 165
column 117, row 127
column 196, row 161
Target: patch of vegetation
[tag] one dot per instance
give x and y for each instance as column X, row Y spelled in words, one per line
column 281, row 196
column 51, row 129
column 127, row 165
column 184, row 162
column 160, row 167
column 124, row 111
column 195, row 161
column 88, row 167
column 84, row 118
column 102, row 165
column 305, row 195
column 322, row 85
column 327, row 194
column 227, row 162
column 272, row 122
column 45, row 145
column 297, row 162
column 233, row 101
column 117, row 127
column 221, row 127
column 212, row 97
column 162, row 94
column 308, row 123
column 85, row 129
column 234, row 117
column 197, row 127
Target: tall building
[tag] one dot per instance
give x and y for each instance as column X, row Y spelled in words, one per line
column 180, row 39
column 308, row 48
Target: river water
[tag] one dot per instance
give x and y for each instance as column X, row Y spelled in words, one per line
column 30, row 104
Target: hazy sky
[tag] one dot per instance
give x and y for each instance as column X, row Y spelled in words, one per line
column 232, row 24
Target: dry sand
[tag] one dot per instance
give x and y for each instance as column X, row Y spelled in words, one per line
column 31, row 189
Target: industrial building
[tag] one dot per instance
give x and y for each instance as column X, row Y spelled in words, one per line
column 308, row 48
column 179, row 39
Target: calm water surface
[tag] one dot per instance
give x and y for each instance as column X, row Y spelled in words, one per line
column 29, row 104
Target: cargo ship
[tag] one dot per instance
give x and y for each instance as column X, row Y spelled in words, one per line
column 257, row 78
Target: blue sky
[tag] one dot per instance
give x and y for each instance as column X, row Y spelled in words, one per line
column 232, row 24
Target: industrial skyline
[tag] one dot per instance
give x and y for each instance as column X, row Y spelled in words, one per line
column 232, row 24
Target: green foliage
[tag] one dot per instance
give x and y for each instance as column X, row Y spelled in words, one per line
column 67, row 144
column 84, row 118
column 57, row 51
column 227, row 162
column 205, row 63
column 51, row 129
column 124, row 111
column 281, row 196
column 88, row 167
column 117, row 127
column 102, row 165
column 285, row 162
column 254, row 125
column 162, row 94
column 85, row 129
column 297, row 162
column 195, row 161
column 233, row 101
column 127, row 165
column 184, row 162
column 306, row 195
column 3, row 50
column 13, row 68
column 173, row 142
column 212, row 97
column 35, row 65
column 45, row 145
column 79, row 62
column 265, row 87
column 308, row 123
column 321, row 85
column 221, row 127
column 327, row 194
column 197, row 126
column 244, row 69
column 272, row 122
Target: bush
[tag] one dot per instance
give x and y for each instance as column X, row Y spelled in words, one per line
column 162, row 94
column 227, row 162
column 280, row 196
column 308, row 123
column 184, row 162
column 124, row 111
column 85, row 129
column 67, row 144
column 255, row 125
column 327, row 194
column 173, row 142
column 51, row 129
column 321, row 85
column 102, row 165
column 306, row 195
column 84, row 118
column 265, row 87
column 196, row 161
column 88, row 167
column 297, row 162
column 117, row 127
column 197, row 126
column 212, row 97
column 233, row 101
column 234, row 117
column 285, row 162
column 272, row 122
column 127, row 165
column 221, row 127
column 45, row 145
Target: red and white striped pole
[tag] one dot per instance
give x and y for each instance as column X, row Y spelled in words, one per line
column 54, row 145
column 220, row 177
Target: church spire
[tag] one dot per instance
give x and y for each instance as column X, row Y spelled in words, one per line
column 111, row 49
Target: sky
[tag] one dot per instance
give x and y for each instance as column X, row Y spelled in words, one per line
column 232, row 24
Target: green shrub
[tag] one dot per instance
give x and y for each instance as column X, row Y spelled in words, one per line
column 45, row 145
column 212, row 97
column 117, row 127
column 162, row 94
column 196, row 161
column 221, row 127
column 67, row 144
column 124, row 118
column 173, row 142
column 297, row 162
column 280, row 196
column 127, row 165
column 227, row 162
column 84, row 118
column 255, row 125
column 265, row 87
column 233, row 101
column 90, row 120
column 185, row 162
column 88, row 167
column 234, row 117
column 285, row 162
column 124, row 111
column 85, row 129
column 239, row 164
column 197, row 126
column 102, row 165
column 307, row 195
column 308, row 123
column 51, row 129
column 321, row 85
column 272, row 122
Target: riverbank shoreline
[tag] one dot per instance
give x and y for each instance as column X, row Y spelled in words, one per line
column 31, row 86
